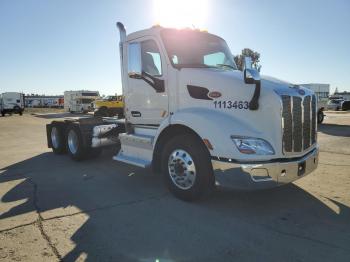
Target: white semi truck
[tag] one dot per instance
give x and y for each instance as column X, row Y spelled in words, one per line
column 80, row 101
column 192, row 116
column 11, row 102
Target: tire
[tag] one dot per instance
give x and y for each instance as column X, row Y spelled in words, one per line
column 2, row 113
column 20, row 112
column 57, row 139
column 74, row 143
column 192, row 173
column 320, row 117
column 101, row 112
column 120, row 113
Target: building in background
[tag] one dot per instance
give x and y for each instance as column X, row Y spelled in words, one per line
column 44, row 101
column 321, row 90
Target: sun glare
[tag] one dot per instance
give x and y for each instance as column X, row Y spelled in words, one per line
column 181, row 13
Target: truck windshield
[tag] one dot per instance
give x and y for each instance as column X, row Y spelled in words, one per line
column 195, row 49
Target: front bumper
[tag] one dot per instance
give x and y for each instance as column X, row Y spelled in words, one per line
column 263, row 175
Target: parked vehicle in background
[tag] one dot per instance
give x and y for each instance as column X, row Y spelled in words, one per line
column 191, row 115
column 345, row 105
column 80, row 101
column 11, row 102
column 109, row 106
column 322, row 93
column 335, row 104
column 321, row 106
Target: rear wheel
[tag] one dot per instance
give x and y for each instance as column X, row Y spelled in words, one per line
column 75, row 145
column 186, row 167
column 57, row 140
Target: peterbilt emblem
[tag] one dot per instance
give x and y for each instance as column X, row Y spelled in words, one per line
column 301, row 92
column 214, row 94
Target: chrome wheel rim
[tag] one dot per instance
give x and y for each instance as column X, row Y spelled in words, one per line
column 54, row 137
column 72, row 142
column 181, row 168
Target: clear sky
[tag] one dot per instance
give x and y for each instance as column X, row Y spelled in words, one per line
column 48, row 46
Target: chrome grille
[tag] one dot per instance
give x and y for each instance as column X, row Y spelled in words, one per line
column 307, row 123
column 313, row 123
column 299, row 123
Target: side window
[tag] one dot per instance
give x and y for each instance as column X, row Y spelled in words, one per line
column 151, row 60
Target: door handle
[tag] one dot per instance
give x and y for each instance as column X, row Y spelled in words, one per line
column 136, row 113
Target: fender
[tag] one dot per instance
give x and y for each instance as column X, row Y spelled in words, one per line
column 216, row 126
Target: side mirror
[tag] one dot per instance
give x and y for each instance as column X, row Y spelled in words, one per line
column 251, row 75
column 134, row 60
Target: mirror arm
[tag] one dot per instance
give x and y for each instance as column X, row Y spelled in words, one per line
column 254, row 103
column 157, row 84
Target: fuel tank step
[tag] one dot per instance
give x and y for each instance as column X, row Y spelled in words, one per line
column 135, row 149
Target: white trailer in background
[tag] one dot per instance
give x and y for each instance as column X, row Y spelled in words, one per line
column 79, row 101
column 11, row 102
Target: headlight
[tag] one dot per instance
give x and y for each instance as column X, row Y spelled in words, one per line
column 251, row 145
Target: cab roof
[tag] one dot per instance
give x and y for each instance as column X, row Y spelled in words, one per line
column 155, row 31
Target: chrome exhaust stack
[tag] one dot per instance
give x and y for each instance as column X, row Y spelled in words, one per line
column 122, row 33
column 122, row 39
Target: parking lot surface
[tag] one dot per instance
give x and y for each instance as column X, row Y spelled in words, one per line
column 53, row 208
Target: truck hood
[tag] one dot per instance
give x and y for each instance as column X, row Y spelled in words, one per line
column 232, row 82
column 225, row 93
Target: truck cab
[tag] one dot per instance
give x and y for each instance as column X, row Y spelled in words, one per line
column 192, row 116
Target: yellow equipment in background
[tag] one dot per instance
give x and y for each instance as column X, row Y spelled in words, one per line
column 109, row 106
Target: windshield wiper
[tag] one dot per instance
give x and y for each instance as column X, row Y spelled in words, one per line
column 226, row 65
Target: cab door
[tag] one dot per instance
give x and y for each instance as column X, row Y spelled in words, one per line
column 146, row 95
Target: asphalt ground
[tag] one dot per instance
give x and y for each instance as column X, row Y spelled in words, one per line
column 53, row 208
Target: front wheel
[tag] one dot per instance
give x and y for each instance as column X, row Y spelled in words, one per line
column 186, row 167
column 320, row 117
